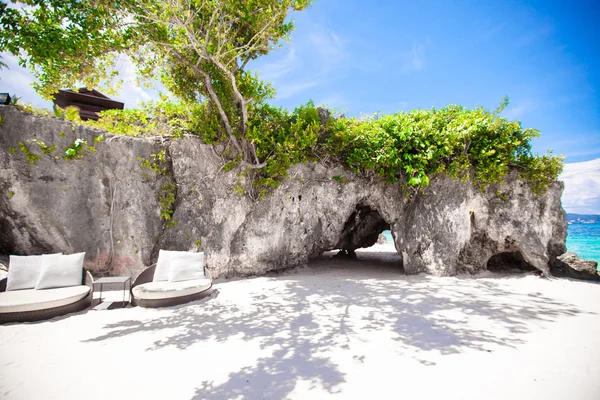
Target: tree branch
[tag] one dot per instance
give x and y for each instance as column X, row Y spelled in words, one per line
column 213, row 96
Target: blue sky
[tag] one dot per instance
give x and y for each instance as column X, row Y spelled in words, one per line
column 384, row 56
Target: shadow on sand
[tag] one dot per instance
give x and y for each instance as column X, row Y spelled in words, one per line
column 329, row 305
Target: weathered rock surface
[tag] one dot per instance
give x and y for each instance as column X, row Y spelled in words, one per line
column 57, row 205
column 3, row 267
column 571, row 266
column 104, row 205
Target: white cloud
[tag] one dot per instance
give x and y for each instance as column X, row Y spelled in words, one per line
column 313, row 59
column 582, row 187
column 515, row 112
column 130, row 93
column 330, row 49
column 18, row 80
column 417, row 56
column 414, row 59
column 333, row 101
column 288, row 90
column 590, row 151
column 276, row 70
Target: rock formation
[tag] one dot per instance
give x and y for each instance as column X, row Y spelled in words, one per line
column 107, row 205
column 3, row 267
column 571, row 266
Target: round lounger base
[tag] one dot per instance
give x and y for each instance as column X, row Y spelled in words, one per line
column 146, row 276
column 173, row 301
column 40, row 315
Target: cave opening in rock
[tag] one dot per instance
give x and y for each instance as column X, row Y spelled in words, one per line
column 359, row 246
column 509, row 261
column 362, row 230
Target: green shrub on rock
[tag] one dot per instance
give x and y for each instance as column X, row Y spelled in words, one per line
column 412, row 147
column 406, row 147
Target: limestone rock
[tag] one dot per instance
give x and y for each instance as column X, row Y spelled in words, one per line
column 56, row 205
column 108, row 206
column 3, row 267
column 570, row 265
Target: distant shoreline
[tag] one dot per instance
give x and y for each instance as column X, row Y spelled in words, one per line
column 573, row 218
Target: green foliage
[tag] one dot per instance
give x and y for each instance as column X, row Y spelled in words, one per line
column 407, row 147
column 14, row 99
column 58, row 112
column 29, row 156
column 80, row 147
column 28, row 108
column 412, row 147
column 156, row 163
column 283, row 139
column 171, row 224
column 10, row 194
column 167, row 193
column 199, row 50
column 76, row 150
column 166, row 199
column 130, row 122
column 71, row 113
column 12, row 150
column 47, row 150
column 68, row 41
column 340, row 179
column 239, row 188
column 540, row 171
column 165, row 117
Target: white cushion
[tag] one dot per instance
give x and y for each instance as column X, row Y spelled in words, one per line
column 167, row 290
column 61, row 271
column 161, row 271
column 33, row 300
column 24, row 271
column 186, row 268
column 166, row 259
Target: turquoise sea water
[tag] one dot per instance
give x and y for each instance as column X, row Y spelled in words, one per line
column 583, row 239
column 388, row 236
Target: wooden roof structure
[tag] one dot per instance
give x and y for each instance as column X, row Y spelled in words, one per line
column 89, row 102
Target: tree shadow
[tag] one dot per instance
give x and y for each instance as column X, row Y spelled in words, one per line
column 304, row 316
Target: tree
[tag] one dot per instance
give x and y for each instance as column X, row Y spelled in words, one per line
column 198, row 48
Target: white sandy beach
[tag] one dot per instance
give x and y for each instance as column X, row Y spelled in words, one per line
column 335, row 329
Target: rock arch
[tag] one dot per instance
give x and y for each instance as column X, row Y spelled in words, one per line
column 362, row 229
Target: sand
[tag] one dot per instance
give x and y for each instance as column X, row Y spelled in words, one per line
column 334, row 329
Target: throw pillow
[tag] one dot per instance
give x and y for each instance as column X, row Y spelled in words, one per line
column 24, row 271
column 185, row 267
column 161, row 272
column 63, row 271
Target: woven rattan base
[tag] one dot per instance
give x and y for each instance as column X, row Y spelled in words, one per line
column 39, row 315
